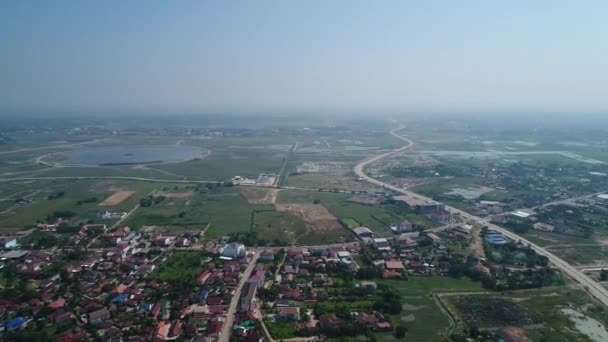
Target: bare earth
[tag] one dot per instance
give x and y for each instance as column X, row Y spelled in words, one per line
column 117, row 197
column 259, row 195
column 175, row 194
column 316, row 216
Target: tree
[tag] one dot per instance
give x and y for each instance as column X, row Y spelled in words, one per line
column 604, row 275
column 400, row 331
column 316, row 201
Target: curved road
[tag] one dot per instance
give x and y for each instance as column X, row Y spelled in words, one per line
column 593, row 288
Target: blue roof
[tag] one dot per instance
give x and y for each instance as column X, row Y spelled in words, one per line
column 121, row 298
column 145, row 306
column 202, row 294
column 15, row 323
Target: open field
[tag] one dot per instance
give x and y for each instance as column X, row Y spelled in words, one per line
column 47, row 199
column 117, row 197
column 321, row 224
column 256, row 195
column 280, row 228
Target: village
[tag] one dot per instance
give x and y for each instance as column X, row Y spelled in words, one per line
column 120, row 284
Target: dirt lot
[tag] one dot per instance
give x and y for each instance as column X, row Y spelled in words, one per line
column 259, row 195
column 174, row 194
column 316, row 216
column 117, row 197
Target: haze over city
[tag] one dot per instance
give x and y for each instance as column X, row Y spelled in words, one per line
column 245, row 55
column 303, row 171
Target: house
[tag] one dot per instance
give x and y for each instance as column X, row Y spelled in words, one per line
column 15, row 323
column 247, row 296
column 394, row 265
column 99, row 316
column 496, row 239
column 363, row 233
column 62, row 317
column 234, row 250
column 368, row 285
column 442, row 216
column 381, row 244
column 288, row 313
column 543, row 226
column 8, row 242
column 267, row 255
column 404, row 241
column 106, row 215
column 433, row 237
column 91, row 276
column 329, row 322
column 402, row 227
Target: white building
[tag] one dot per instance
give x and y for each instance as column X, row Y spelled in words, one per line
column 234, row 250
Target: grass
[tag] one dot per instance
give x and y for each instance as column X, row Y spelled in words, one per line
column 582, row 255
column 343, row 181
column 376, row 217
column 179, row 267
column 224, row 208
column 350, row 222
column 283, row 227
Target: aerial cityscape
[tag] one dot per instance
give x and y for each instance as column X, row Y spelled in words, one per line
column 281, row 171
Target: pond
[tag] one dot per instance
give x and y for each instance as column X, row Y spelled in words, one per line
column 131, row 155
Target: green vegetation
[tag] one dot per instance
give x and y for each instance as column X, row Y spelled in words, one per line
column 179, row 267
column 350, row 223
column 279, row 227
column 420, row 306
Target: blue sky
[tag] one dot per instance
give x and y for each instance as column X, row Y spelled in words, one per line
column 208, row 55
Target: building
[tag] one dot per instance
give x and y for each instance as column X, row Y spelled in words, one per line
column 419, row 205
column 288, row 313
column 99, row 316
column 8, row 242
column 394, row 265
column 234, row 250
column 267, row 255
column 402, row 227
column 381, row 244
column 363, row 232
column 247, row 296
column 495, row 239
column 543, row 226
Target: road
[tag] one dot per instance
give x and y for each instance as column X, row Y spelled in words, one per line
column 225, row 336
column 593, row 288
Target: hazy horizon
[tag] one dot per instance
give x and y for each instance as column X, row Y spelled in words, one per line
column 341, row 57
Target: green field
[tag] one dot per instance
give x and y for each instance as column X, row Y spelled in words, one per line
column 420, row 306
column 40, row 206
column 279, row 227
column 350, row 222
column 225, row 209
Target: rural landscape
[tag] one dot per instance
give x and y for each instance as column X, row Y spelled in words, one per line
column 303, row 171
column 286, row 230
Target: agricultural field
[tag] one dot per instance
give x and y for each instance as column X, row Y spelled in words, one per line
column 75, row 200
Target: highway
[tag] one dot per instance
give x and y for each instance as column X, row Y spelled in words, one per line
column 593, row 288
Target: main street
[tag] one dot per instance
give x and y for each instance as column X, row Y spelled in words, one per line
column 593, row 288
column 226, row 331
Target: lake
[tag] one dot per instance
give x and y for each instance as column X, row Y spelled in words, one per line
column 131, row 155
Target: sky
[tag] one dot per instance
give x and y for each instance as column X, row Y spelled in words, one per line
column 300, row 55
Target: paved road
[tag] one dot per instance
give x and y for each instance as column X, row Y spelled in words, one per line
column 225, row 336
column 593, row 288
